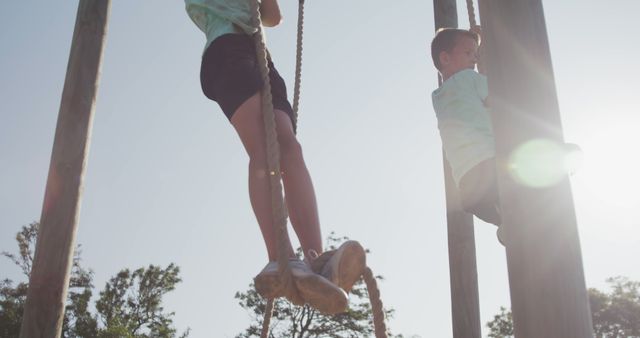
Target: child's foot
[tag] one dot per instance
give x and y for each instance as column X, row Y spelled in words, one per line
column 267, row 282
column 343, row 266
column 316, row 290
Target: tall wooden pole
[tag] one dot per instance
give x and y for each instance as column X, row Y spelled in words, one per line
column 465, row 303
column 48, row 283
column 548, row 293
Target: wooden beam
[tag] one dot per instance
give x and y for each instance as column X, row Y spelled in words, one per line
column 465, row 303
column 48, row 283
column 548, row 293
column 463, row 272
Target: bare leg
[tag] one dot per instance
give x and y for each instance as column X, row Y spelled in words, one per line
column 300, row 196
column 299, row 192
column 247, row 120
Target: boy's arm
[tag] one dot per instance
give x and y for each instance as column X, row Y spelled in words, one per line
column 270, row 13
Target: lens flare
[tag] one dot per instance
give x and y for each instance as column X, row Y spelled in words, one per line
column 573, row 158
column 542, row 163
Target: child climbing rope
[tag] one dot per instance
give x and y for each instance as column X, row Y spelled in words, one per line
column 230, row 76
column 464, row 121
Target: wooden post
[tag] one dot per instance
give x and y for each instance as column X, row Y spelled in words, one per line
column 548, row 293
column 48, row 283
column 465, row 303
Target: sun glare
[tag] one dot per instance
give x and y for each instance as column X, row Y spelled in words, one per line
column 611, row 168
column 541, row 163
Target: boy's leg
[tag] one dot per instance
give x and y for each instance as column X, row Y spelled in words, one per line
column 479, row 192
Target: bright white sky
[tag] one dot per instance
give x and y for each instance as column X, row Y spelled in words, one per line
column 166, row 180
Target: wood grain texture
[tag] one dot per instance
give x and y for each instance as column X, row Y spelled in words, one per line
column 465, row 301
column 48, row 283
column 548, row 293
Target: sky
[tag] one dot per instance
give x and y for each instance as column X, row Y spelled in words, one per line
column 166, row 177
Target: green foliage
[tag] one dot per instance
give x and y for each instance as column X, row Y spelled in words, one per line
column 502, row 325
column 11, row 306
column 292, row 321
column 615, row 314
column 129, row 305
column 131, row 301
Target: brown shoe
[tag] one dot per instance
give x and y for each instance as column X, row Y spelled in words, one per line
column 267, row 282
column 343, row 266
column 316, row 290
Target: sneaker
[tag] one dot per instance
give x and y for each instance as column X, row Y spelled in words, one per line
column 267, row 282
column 316, row 290
column 343, row 266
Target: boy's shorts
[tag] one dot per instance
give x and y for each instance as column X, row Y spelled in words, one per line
column 479, row 192
column 230, row 74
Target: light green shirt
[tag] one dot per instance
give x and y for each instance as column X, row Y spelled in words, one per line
column 464, row 121
column 219, row 17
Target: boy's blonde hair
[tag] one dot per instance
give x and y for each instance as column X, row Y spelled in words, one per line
column 445, row 40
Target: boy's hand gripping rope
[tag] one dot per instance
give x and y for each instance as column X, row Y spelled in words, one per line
column 474, row 27
column 279, row 212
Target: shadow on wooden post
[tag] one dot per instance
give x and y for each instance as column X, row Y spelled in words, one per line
column 548, row 293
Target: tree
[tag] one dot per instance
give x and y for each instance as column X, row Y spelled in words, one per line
column 293, row 321
column 12, row 299
column 129, row 305
column 502, row 325
column 615, row 315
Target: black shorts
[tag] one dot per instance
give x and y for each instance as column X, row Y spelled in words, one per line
column 230, row 74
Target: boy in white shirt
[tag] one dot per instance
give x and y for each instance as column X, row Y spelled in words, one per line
column 464, row 121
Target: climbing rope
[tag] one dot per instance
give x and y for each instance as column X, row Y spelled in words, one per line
column 376, row 304
column 474, row 27
column 266, row 323
column 472, row 14
column 279, row 212
column 298, row 78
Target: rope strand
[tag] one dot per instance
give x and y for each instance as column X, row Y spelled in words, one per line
column 472, row 14
column 376, row 304
column 278, row 211
column 266, row 323
column 298, row 78
column 277, row 200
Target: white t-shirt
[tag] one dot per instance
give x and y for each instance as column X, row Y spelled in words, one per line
column 219, row 17
column 464, row 121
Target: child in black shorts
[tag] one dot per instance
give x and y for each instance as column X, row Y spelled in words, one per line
column 230, row 76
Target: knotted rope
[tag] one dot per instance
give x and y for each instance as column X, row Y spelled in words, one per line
column 279, row 212
column 298, row 78
column 474, row 27
column 472, row 14
column 376, row 303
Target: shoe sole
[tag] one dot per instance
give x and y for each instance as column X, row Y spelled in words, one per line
column 352, row 261
column 268, row 286
column 321, row 294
